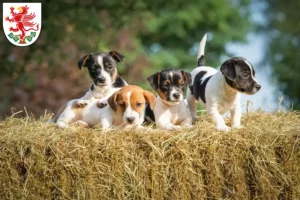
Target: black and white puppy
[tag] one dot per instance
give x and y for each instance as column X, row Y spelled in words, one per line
column 102, row 67
column 103, row 70
column 170, row 110
column 219, row 91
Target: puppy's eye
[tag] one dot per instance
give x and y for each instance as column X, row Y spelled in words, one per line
column 110, row 67
column 122, row 104
column 246, row 75
column 182, row 84
column 138, row 104
column 165, row 85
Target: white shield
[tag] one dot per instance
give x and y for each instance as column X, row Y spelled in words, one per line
column 22, row 22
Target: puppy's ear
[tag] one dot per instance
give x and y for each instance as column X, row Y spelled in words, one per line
column 154, row 80
column 150, row 98
column 187, row 77
column 228, row 69
column 82, row 61
column 116, row 56
column 112, row 101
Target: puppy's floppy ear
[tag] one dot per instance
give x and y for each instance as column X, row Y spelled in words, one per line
column 82, row 61
column 154, row 80
column 118, row 57
column 187, row 77
column 112, row 101
column 228, row 69
column 150, row 98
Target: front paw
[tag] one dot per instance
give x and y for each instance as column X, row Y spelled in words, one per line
column 223, row 128
column 101, row 104
column 61, row 124
column 172, row 127
column 82, row 103
column 237, row 126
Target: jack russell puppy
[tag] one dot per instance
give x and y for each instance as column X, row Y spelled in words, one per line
column 170, row 110
column 125, row 108
column 220, row 91
column 102, row 68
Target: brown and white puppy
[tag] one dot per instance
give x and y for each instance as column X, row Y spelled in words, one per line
column 170, row 110
column 126, row 107
column 102, row 67
column 219, row 91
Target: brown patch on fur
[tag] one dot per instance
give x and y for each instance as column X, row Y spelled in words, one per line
column 77, row 110
column 83, row 64
column 180, row 81
column 168, row 82
column 158, row 80
column 150, row 98
column 112, row 101
column 162, row 94
column 115, row 74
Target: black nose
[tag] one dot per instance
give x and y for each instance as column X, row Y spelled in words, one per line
column 258, row 87
column 102, row 79
column 176, row 95
column 130, row 119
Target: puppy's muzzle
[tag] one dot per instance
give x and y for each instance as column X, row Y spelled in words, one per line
column 130, row 120
column 257, row 87
column 176, row 96
column 100, row 80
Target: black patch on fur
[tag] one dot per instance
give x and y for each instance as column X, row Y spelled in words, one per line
column 149, row 115
column 119, row 82
column 191, row 89
column 200, row 85
column 92, row 87
column 201, row 61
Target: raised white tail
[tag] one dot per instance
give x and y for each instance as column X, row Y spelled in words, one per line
column 200, row 57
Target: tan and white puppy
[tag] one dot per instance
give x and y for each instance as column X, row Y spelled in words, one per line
column 219, row 91
column 126, row 108
column 170, row 110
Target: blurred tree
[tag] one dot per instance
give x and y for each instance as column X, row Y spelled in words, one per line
column 152, row 35
column 283, row 31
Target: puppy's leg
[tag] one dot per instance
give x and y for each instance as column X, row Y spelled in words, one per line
column 192, row 104
column 65, row 118
column 217, row 118
column 235, row 114
column 106, row 122
column 165, row 123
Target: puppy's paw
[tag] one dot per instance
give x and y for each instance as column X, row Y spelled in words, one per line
column 172, row 127
column 82, row 103
column 237, row 126
column 223, row 128
column 82, row 123
column 101, row 104
column 61, row 124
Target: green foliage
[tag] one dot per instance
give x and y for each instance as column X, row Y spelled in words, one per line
column 152, row 35
column 284, row 51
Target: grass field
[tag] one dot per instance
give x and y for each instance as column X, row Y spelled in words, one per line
column 259, row 161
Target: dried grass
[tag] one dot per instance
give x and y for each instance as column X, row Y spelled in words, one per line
column 259, row 161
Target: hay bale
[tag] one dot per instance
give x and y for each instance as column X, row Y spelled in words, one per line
column 259, row 161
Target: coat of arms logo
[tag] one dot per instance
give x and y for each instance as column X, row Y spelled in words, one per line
column 22, row 22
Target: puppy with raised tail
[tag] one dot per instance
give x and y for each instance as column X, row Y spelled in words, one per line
column 125, row 108
column 170, row 110
column 220, row 91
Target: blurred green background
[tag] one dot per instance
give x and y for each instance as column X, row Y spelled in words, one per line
column 151, row 34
